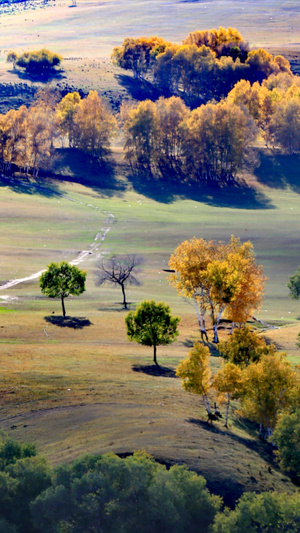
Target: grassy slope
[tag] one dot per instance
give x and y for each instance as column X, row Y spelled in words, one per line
column 86, row 388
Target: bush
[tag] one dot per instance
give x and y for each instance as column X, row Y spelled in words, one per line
column 38, row 61
column 268, row 512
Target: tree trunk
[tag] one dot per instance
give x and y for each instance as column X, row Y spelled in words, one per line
column 154, row 355
column 227, row 412
column 216, row 338
column 124, row 297
column 63, row 306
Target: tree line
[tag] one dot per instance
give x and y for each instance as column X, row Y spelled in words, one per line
column 108, row 494
column 215, row 140
column 211, row 143
column 28, row 135
column 205, row 66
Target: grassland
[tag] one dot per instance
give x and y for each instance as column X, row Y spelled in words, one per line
column 80, row 386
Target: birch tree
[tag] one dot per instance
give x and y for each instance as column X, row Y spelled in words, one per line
column 196, row 374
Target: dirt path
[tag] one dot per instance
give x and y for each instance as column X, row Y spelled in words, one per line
column 83, row 255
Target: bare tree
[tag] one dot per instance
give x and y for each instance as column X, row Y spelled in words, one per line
column 120, row 270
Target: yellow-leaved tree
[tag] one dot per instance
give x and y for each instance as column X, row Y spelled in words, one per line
column 190, row 261
column 65, row 114
column 219, row 277
column 94, row 125
column 195, row 373
column 228, row 383
column 251, row 280
column 268, row 390
column 245, row 347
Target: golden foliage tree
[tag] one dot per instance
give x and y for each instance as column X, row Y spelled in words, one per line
column 94, row 125
column 37, row 61
column 215, row 275
column 13, row 132
column 285, row 124
column 65, row 115
column 141, row 133
column 190, row 261
column 228, row 382
column 268, row 390
column 138, row 54
column 217, row 140
column 195, row 373
column 224, row 41
column 245, row 347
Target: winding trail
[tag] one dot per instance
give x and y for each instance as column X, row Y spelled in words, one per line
column 99, row 237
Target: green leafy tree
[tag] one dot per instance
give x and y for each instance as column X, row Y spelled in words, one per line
column 268, row 512
column 62, row 279
column 287, row 437
column 152, row 325
column 294, row 285
column 12, row 450
column 125, row 496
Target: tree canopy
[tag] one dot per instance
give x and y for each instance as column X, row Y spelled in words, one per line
column 286, row 436
column 221, row 278
column 268, row 512
column 62, row 279
column 294, row 285
column 245, row 347
column 152, row 325
column 205, row 66
column 195, row 372
column 37, row 61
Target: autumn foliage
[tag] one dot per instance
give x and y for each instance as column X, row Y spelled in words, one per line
column 209, row 143
column 221, row 279
column 206, row 65
column 36, row 62
column 28, row 135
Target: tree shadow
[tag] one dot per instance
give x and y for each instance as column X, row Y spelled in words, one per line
column 44, row 77
column 236, row 195
column 138, row 89
column 155, row 370
column 188, row 343
column 31, row 186
column 263, row 448
column 119, row 309
column 279, row 171
column 73, row 322
column 78, row 167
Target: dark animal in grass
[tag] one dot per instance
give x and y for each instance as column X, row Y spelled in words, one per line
column 211, row 417
column 217, row 412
